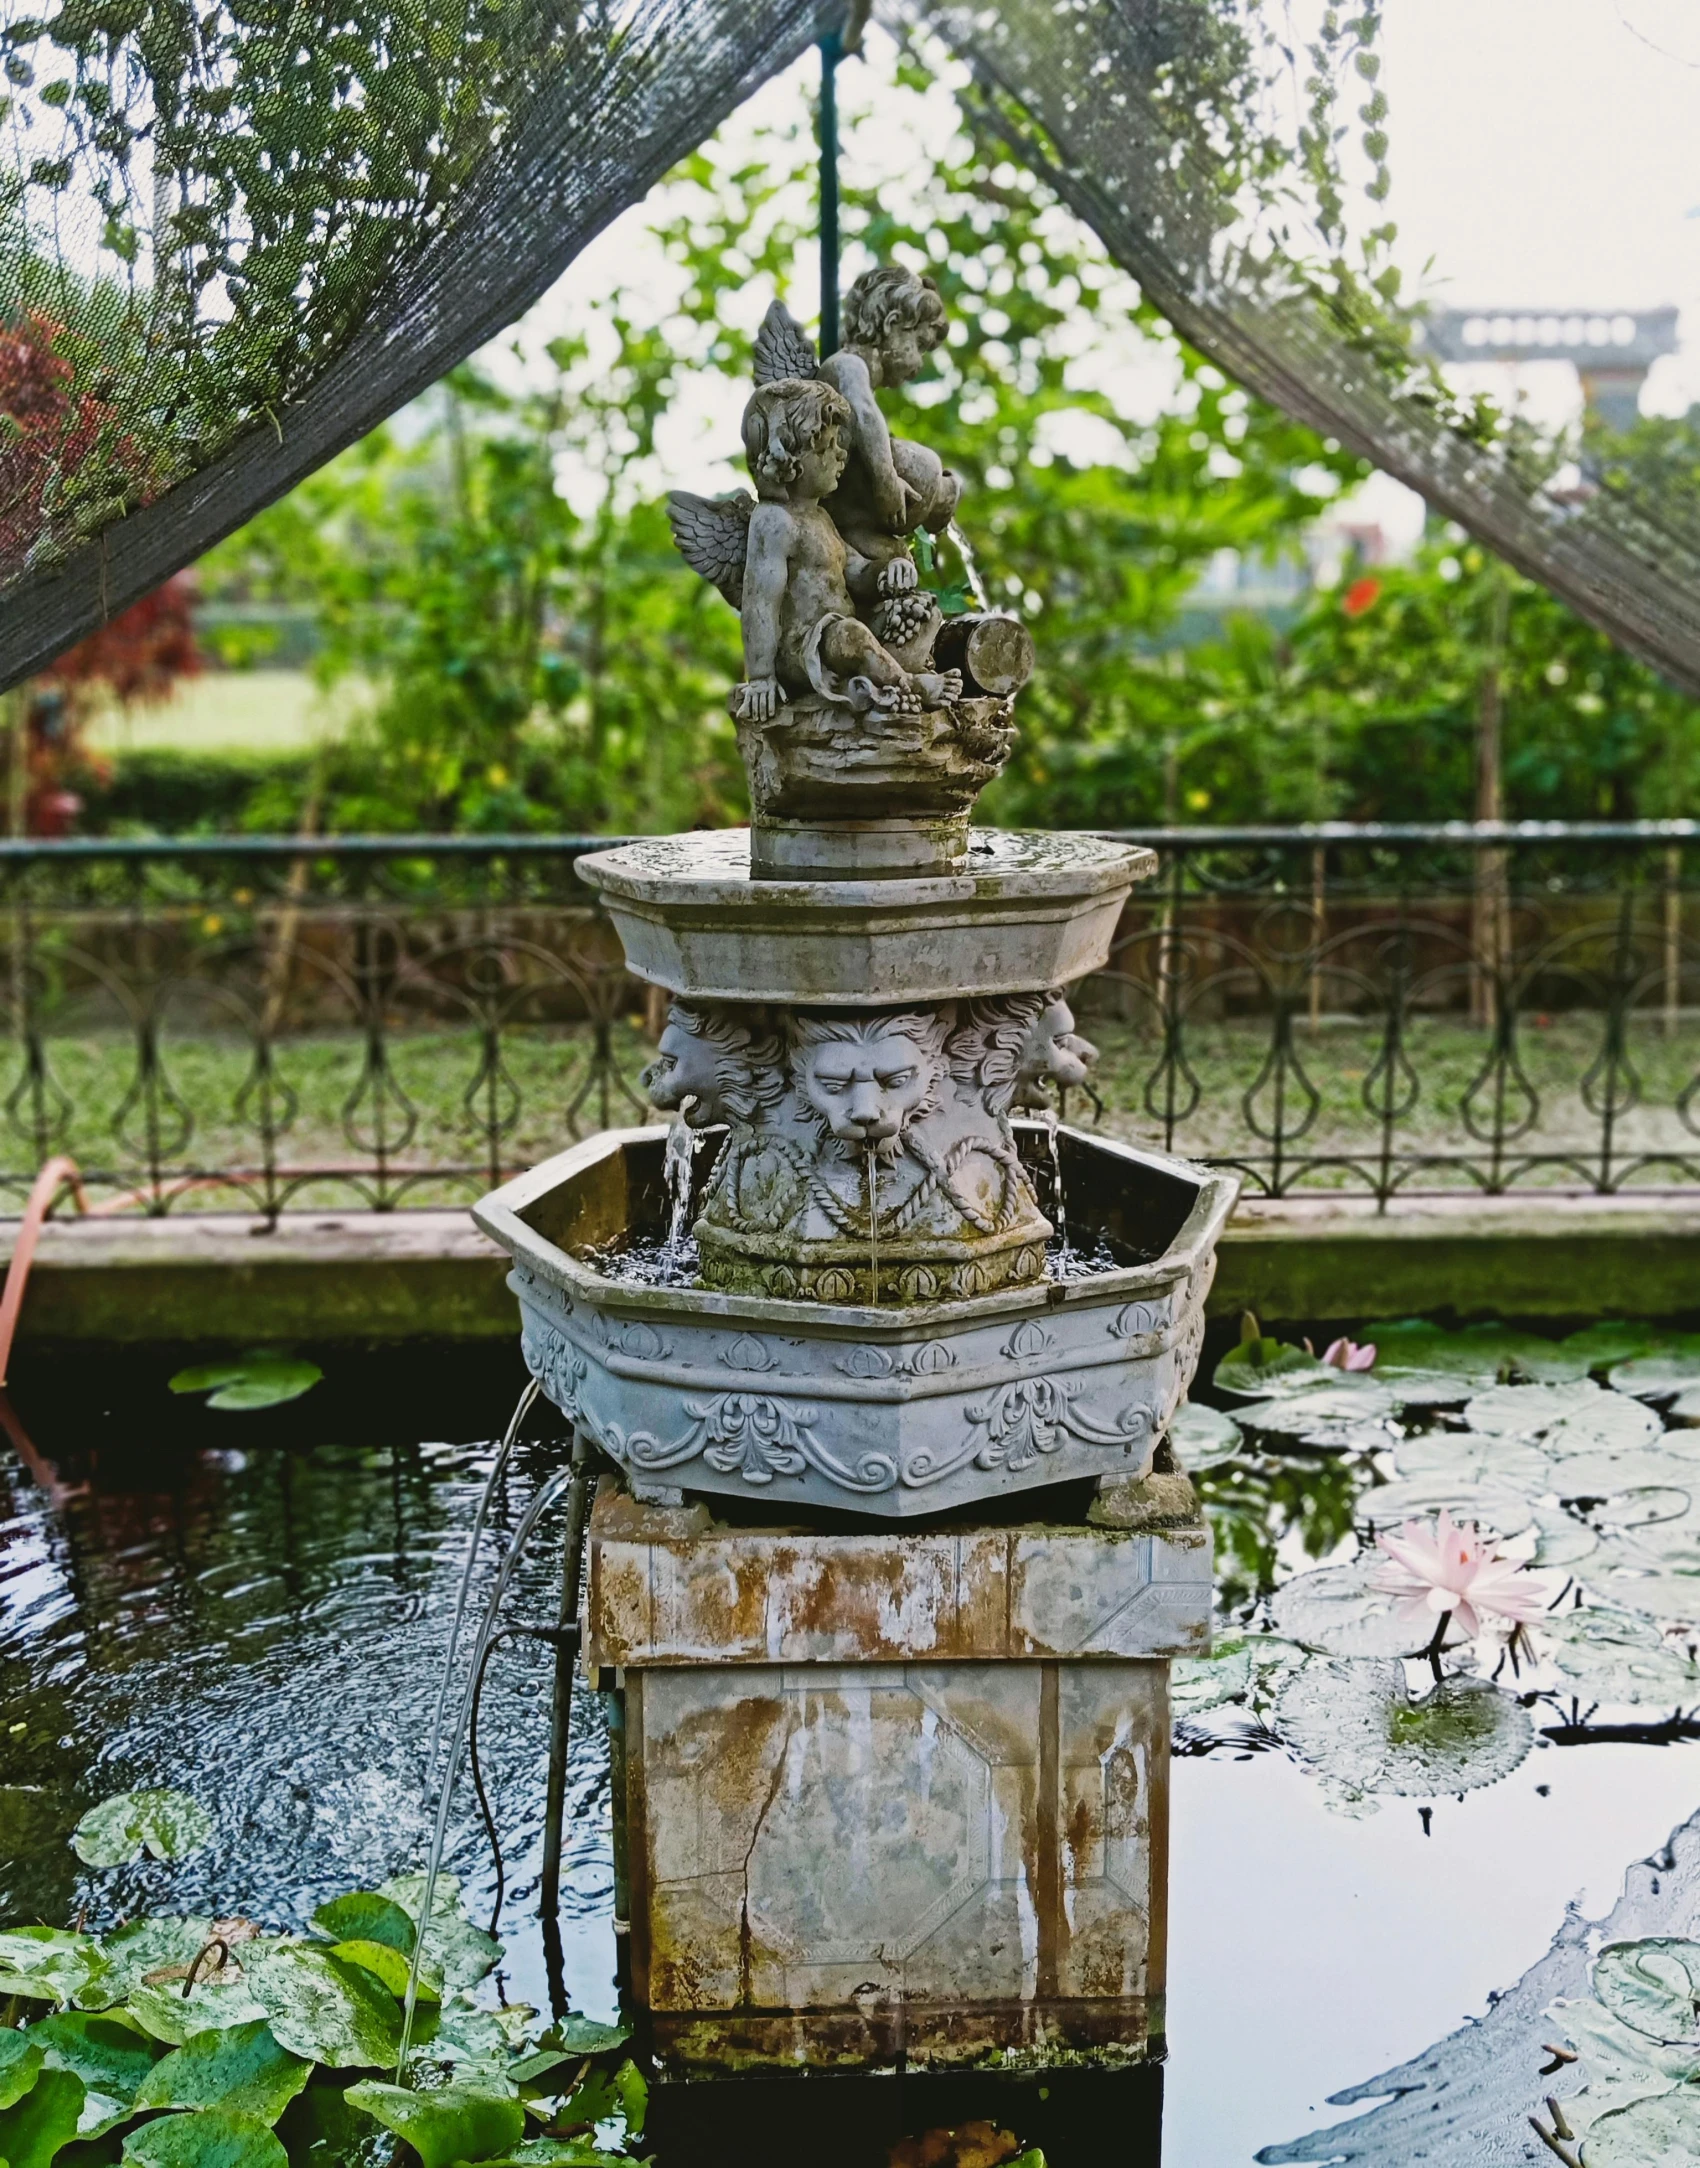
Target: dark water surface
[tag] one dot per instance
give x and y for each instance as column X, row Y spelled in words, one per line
column 252, row 1608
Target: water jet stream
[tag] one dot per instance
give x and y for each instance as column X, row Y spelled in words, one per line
column 522, row 1535
column 970, row 570
column 873, row 1226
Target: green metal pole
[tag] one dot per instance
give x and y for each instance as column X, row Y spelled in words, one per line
column 831, row 53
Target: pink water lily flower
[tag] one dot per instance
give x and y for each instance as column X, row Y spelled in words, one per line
column 1347, row 1355
column 1452, row 1568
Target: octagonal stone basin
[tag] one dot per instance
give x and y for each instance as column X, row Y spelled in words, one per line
column 893, row 1412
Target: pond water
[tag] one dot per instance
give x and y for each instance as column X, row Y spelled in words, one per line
column 250, row 1607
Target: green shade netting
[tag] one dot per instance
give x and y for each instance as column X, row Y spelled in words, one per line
column 232, row 241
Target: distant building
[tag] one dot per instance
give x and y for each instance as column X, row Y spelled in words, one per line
column 1611, row 350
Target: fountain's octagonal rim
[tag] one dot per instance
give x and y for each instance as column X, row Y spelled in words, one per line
column 502, row 1215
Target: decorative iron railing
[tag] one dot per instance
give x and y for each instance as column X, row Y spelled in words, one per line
column 274, row 1023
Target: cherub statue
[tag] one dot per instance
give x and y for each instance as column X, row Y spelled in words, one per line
column 892, row 319
column 796, row 581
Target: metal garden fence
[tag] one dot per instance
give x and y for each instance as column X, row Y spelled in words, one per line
column 271, row 1024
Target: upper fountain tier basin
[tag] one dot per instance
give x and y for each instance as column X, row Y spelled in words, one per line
column 897, row 1412
column 1027, row 911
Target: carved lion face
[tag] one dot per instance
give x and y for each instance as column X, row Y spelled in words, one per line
column 714, row 1061
column 1053, row 1053
column 869, row 1086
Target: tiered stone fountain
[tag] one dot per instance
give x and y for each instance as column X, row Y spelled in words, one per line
column 885, row 1793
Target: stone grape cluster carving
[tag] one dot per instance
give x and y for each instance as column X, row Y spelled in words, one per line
column 854, row 679
column 878, row 1143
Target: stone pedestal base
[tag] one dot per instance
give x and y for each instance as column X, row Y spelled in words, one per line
column 893, row 1797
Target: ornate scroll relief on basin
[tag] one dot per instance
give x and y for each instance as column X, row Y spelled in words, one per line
column 895, row 1411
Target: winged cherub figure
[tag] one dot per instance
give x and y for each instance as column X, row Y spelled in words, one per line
column 798, row 583
column 892, row 319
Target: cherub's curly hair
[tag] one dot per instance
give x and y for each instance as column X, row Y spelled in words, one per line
column 910, row 296
column 783, row 420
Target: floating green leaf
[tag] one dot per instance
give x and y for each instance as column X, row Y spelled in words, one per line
column 170, row 2015
column 1619, row 1656
column 325, row 2010
column 453, row 2123
column 364, row 1915
column 1357, row 1723
column 49, row 1963
column 1335, row 1610
column 251, row 1381
column 1574, row 1418
column 1473, row 1457
column 1259, row 1366
column 241, row 2068
column 1684, row 1410
column 578, row 2035
column 1660, row 2133
column 166, row 1824
column 391, row 1967
column 464, row 1952
column 206, row 2138
column 1654, row 1985
column 111, row 2055
column 1490, row 1506
column 1672, row 1368
column 1200, row 1435
column 45, row 2118
column 1338, row 1410
column 1612, row 1341
column 20, row 2064
column 144, row 1946
column 1197, row 1683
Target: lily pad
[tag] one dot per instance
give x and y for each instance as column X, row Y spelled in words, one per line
column 210, row 2005
column 1684, row 1410
column 1611, row 1341
column 453, row 2123
column 206, row 2138
column 1469, row 1456
column 1332, row 1411
column 1671, row 1368
column 1488, row 1506
column 462, row 1951
column 364, row 1915
column 110, row 2055
column 1561, row 1539
column 1611, row 1655
column 242, row 2068
column 165, row 1824
column 131, row 1953
column 1200, row 1435
column 1654, row 1985
column 20, row 2063
column 1483, row 1354
column 1197, row 1683
column 1257, row 1367
column 43, row 2120
column 251, row 1381
column 51, row 1964
column 1575, row 1418
column 1357, row 1724
column 1336, row 1611
column 389, row 1966
column 327, row 2011
column 1659, row 2133
column 1638, row 1470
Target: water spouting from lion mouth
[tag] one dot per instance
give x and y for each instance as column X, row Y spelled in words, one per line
column 873, row 1224
column 1059, row 1203
column 682, row 1142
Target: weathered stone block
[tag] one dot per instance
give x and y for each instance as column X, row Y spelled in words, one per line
column 890, row 1794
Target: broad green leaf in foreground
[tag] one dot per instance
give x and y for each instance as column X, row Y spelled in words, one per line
column 389, row 1966
column 174, row 2017
column 34, row 2128
column 48, row 1962
column 451, row 2124
column 20, row 2064
column 464, row 1952
column 251, row 1381
column 1261, row 1366
column 363, row 1915
column 145, row 1946
column 327, row 2011
column 166, row 1824
column 243, row 2069
column 111, row 2056
column 206, row 2138
column 1357, row 1723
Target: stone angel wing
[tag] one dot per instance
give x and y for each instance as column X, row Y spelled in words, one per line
column 783, row 347
column 713, row 535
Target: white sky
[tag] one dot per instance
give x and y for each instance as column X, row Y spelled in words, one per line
column 1545, row 154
